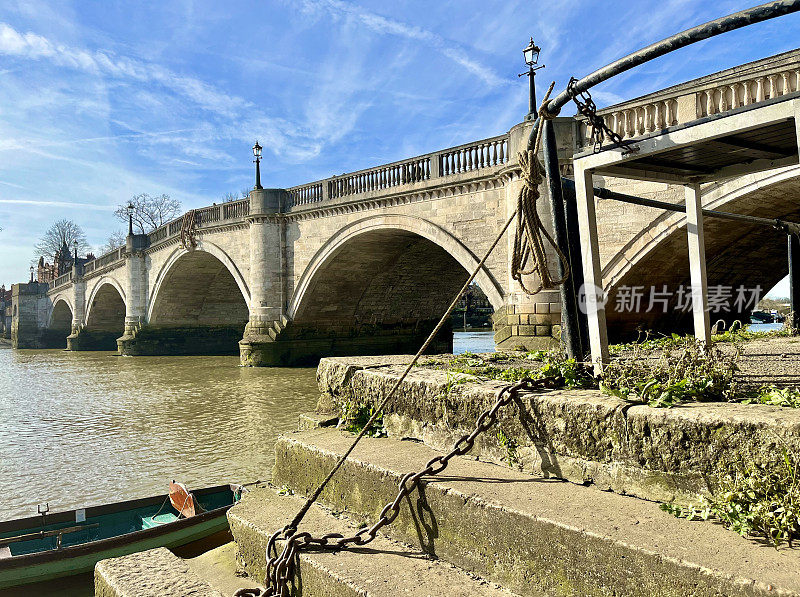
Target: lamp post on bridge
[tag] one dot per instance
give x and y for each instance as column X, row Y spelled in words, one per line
column 130, row 209
column 75, row 247
column 257, row 153
column 31, row 274
column 531, row 54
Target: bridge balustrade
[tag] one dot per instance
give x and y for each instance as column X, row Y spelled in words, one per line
column 452, row 161
column 61, row 280
column 474, row 156
column 728, row 90
column 307, row 193
column 209, row 215
column 158, row 234
column 236, row 209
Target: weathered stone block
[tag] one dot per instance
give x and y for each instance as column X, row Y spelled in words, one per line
column 581, row 435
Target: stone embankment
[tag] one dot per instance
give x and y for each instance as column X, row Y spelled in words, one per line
column 583, row 436
column 504, row 520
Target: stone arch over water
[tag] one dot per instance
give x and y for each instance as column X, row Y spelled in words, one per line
column 380, row 285
column 59, row 325
column 105, row 316
column 198, row 306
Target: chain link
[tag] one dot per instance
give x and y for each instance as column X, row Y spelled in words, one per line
column 280, row 568
column 588, row 109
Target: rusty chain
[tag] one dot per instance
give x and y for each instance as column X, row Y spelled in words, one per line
column 280, row 568
column 588, row 109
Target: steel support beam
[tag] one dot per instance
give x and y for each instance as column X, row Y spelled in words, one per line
column 794, row 279
column 697, row 263
column 594, row 297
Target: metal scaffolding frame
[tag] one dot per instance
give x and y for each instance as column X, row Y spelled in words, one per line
column 680, row 155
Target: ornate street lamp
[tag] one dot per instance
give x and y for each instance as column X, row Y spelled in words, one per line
column 130, row 209
column 75, row 246
column 31, row 273
column 257, row 152
column 531, row 55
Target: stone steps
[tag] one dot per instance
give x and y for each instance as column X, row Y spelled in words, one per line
column 152, row 573
column 533, row 535
column 159, row 572
column 383, row 568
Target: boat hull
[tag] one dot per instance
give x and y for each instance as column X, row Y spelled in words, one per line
column 56, row 563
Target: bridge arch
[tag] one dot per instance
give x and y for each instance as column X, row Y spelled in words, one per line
column 61, row 315
column 737, row 254
column 199, row 303
column 379, row 286
column 105, row 315
column 202, row 247
column 410, row 225
column 59, row 324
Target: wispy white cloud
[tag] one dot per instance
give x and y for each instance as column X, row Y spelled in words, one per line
column 380, row 24
column 36, row 47
column 61, row 204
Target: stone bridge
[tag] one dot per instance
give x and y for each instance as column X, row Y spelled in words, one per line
column 366, row 262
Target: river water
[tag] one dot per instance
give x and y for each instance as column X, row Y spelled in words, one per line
column 85, row 428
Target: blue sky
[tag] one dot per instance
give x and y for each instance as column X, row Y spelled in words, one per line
column 100, row 100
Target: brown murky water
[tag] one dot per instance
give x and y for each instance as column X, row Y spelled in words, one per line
column 84, row 428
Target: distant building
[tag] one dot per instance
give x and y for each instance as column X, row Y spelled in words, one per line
column 5, row 312
column 62, row 263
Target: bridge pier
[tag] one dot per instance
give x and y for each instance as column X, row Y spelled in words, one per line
column 258, row 346
column 29, row 313
column 74, row 340
column 136, row 291
column 531, row 322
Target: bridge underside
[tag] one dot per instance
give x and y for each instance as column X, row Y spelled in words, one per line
column 380, row 293
column 198, row 309
column 105, row 322
column 55, row 335
column 738, row 256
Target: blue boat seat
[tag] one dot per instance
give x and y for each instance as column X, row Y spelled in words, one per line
column 148, row 522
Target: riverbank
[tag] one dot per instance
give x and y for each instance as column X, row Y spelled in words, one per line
column 585, row 436
column 560, row 496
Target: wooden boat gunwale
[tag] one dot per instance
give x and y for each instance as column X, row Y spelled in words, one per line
column 43, row 557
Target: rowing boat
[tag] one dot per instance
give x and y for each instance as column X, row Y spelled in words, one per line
column 54, row 545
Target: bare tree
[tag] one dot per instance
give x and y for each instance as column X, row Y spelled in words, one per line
column 115, row 240
column 63, row 232
column 228, row 197
column 149, row 212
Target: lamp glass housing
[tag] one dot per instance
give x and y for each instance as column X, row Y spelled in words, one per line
column 531, row 53
column 257, row 150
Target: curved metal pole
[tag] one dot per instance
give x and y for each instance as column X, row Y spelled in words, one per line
column 737, row 20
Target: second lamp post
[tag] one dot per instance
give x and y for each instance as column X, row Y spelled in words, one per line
column 531, row 54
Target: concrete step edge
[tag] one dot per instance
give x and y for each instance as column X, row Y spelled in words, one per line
column 384, row 568
column 151, row 573
column 529, row 533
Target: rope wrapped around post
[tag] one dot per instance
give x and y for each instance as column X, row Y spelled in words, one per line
column 528, row 238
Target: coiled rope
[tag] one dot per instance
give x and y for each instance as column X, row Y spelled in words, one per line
column 527, row 243
column 530, row 233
